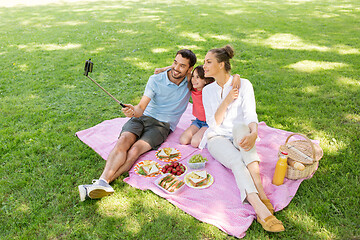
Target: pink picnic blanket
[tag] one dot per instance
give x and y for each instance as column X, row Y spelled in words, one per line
column 219, row 204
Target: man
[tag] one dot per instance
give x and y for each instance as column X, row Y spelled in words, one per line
column 157, row 114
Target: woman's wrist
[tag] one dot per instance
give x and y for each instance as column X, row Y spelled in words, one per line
column 227, row 101
column 253, row 129
column 254, row 134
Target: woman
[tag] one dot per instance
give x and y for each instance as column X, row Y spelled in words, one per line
column 232, row 119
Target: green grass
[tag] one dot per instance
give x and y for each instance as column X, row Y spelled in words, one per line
column 302, row 57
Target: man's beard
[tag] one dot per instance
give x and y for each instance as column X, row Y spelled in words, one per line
column 178, row 76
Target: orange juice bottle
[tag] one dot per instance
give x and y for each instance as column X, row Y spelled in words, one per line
column 280, row 169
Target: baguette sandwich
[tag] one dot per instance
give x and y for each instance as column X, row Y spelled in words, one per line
column 171, row 183
column 297, row 165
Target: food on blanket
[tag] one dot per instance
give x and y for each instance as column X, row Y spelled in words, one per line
column 168, row 153
column 297, row 165
column 171, row 183
column 174, row 168
column 198, row 178
column 197, row 159
column 148, row 169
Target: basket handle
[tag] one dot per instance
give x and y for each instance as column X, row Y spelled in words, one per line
column 307, row 139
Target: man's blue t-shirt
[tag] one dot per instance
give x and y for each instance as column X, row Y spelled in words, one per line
column 168, row 100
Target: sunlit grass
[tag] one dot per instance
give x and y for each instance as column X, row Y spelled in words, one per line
column 140, row 63
column 291, row 42
column 195, row 47
column 48, row 47
column 160, row 50
column 308, row 224
column 353, row 118
column 349, row 82
column 288, row 41
column 193, row 36
column 314, row 66
column 221, row 37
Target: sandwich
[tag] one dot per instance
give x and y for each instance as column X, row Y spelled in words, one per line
column 149, row 169
column 199, row 178
column 171, row 183
column 168, row 153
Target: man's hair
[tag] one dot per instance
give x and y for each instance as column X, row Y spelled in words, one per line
column 188, row 54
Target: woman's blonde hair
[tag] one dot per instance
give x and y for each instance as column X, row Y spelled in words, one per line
column 224, row 54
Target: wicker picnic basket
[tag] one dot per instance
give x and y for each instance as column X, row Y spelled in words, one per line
column 303, row 151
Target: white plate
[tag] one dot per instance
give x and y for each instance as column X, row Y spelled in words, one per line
column 139, row 164
column 208, row 184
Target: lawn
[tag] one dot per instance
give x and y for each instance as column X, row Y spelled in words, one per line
column 301, row 56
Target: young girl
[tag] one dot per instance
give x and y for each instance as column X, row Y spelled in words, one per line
column 231, row 115
column 194, row 134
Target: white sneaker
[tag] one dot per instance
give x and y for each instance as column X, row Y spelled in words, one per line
column 83, row 193
column 98, row 189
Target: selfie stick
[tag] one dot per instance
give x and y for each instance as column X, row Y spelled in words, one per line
column 88, row 68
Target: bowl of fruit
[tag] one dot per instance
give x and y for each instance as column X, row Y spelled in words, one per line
column 174, row 168
column 197, row 161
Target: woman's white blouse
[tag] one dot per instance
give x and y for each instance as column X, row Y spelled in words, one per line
column 241, row 110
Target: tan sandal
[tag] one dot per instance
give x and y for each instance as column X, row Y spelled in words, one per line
column 268, row 205
column 271, row 224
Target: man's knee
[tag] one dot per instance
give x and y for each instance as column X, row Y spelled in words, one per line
column 118, row 148
column 137, row 149
column 125, row 141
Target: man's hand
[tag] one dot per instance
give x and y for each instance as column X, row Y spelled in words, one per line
column 248, row 142
column 160, row 70
column 138, row 110
column 129, row 110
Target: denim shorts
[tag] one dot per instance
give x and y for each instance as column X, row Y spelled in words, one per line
column 148, row 129
column 199, row 123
